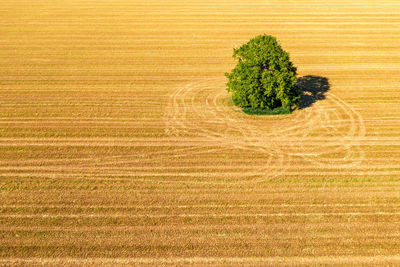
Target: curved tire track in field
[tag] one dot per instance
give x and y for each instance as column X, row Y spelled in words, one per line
column 328, row 134
column 196, row 110
column 339, row 129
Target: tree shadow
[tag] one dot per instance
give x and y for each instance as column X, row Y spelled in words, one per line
column 313, row 88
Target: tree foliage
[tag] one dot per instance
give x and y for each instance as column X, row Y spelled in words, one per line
column 264, row 76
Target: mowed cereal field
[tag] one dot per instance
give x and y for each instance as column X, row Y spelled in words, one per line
column 118, row 144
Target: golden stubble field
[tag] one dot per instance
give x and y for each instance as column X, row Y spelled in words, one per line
column 118, row 144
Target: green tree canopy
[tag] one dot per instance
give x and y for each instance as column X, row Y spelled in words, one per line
column 264, row 76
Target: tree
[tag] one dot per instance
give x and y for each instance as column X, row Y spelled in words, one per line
column 264, row 77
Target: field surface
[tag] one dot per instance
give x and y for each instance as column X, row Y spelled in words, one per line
column 118, row 144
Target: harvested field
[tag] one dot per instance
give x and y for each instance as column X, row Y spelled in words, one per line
column 119, row 145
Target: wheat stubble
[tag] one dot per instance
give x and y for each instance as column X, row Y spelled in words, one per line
column 118, row 145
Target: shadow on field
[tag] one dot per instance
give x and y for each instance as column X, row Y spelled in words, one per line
column 313, row 88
